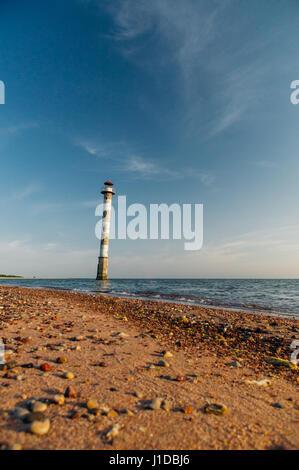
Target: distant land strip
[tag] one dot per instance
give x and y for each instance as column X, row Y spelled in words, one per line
column 9, row 275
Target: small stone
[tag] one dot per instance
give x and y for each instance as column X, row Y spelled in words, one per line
column 138, row 394
column 38, row 406
column 20, row 412
column 276, row 361
column 166, row 405
column 8, row 365
column 70, row 392
column 76, row 414
column 58, row 399
column 61, row 360
column 122, row 335
column 15, row 446
column 68, row 375
column 163, row 364
column 259, row 383
column 45, row 367
column 40, row 427
column 9, row 375
column 216, row 409
column 180, row 378
column 92, row 404
column 112, row 414
column 155, row 404
column 234, row 364
column 30, row 417
column 188, row 410
column 79, row 338
column 112, row 432
column 104, row 408
column 167, row 355
column 277, row 405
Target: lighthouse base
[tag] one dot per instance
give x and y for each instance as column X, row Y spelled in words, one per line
column 102, row 273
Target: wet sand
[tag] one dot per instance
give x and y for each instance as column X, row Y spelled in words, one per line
column 114, row 348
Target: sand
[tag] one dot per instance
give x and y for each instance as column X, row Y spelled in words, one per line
column 113, row 347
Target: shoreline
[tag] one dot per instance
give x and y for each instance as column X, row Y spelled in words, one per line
column 259, row 310
column 114, row 346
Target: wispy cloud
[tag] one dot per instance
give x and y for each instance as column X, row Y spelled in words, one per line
column 137, row 166
column 16, row 128
column 142, row 168
column 25, row 192
column 188, row 37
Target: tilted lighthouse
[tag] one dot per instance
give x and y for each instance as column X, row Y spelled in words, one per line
column 108, row 192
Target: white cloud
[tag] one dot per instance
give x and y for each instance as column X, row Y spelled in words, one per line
column 149, row 169
column 25, row 192
column 14, row 129
column 186, row 30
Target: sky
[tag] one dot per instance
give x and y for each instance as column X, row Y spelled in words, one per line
column 175, row 101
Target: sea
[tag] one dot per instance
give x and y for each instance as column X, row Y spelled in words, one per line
column 264, row 296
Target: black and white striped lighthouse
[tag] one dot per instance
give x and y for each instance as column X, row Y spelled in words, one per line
column 108, row 192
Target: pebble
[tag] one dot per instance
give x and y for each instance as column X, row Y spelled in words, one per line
column 36, row 416
column 277, row 405
column 112, row 432
column 138, row 394
column 15, row 446
column 167, row 355
column 276, row 361
column 155, row 404
column 61, row 360
column 45, row 367
column 68, row 375
column 216, row 409
column 122, row 335
column 92, row 404
column 40, row 427
column 259, row 383
column 112, row 413
column 166, row 405
column 79, row 338
column 163, row 364
column 20, row 412
column 38, row 406
column 8, row 365
column 70, row 392
column 234, row 364
column 59, row 399
column 28, row 366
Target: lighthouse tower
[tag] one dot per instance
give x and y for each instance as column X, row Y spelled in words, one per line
column 108, row 192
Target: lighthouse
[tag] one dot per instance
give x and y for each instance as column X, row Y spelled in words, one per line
column 108, row 192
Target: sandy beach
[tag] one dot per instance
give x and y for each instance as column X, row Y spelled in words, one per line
column 113, row 373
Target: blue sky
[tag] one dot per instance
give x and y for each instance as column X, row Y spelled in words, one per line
column 173, row 100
